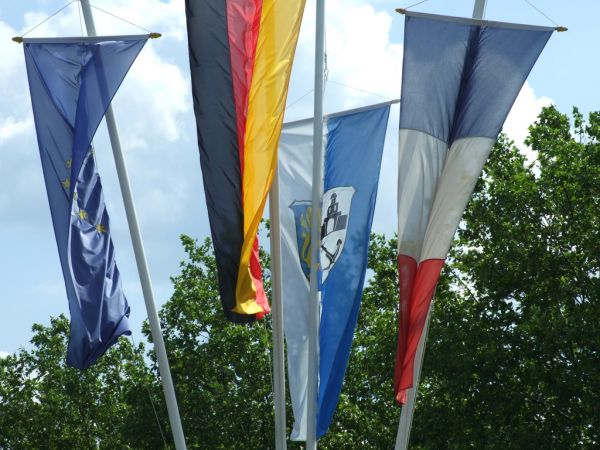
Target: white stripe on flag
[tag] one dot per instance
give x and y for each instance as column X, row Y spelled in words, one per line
column 295, row 181
column 463, row 165
column 420, row 164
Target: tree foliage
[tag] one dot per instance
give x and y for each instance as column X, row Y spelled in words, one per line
column 46, row 405
column 222, row 371
column 512, row 359
column 513, row 356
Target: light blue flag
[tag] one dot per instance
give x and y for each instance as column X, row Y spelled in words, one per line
column 72, row 84
column 353, row 149
column 353, row 142
column 352, row 162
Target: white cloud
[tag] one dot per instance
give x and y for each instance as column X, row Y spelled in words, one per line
column 523, row 113
column 363, row 63
column 164, row 203
column 114, row 17
column 9, row 53
column 3, row 354
column 166, row 17
column 157, row 93
column 361, row 54
column 12, row 126
column 18, row 150
column 15, row 116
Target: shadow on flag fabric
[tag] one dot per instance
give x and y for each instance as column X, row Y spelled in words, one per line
column 71, row 83
column 241, row 54
column 353, row 143
column 460, row 79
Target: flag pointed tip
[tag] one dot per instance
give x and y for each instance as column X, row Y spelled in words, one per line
column 402, row 397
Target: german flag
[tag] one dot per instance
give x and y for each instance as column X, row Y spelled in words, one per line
column 241, row 54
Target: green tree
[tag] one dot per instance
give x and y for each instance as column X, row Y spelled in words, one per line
column 46, row 405
column 513, row 354
column 222, row 372
column 512, row 360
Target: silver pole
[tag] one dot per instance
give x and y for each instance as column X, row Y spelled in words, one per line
column 314, row 307
column 406, row 414
column 140, row 257
column 277, row 318
column 408, row 409
column 479, row 9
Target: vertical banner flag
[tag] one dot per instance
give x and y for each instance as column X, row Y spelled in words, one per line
column 72, row 81
column 353, row 149
column 241, row 54
column 460, row 79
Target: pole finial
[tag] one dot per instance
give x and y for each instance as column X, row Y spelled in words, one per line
column 18, row 39
column 401, row 10
column 154, row 35
column 561, row 29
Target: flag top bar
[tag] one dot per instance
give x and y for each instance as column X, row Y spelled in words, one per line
column 345, row 112
column 481, row 22
column 84, row 39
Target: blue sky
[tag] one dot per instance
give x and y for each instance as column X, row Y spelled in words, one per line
column 155, row 116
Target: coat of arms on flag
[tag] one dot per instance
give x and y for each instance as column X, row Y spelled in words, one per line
column 336, row 203
column 336, row 209
column 302, row 210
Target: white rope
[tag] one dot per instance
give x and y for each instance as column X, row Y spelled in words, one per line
column 48, row 18
column 541, row 12
column 120, row 18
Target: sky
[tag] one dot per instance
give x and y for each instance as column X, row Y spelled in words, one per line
column 156, row 123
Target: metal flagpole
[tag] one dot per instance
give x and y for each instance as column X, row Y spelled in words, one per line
column 406, row 414
column 408, row 409
column 277, row 318
column 314, row 307
column 140, row 257
column 479, row 9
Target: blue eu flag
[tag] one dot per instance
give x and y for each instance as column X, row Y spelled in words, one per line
column 72, row 84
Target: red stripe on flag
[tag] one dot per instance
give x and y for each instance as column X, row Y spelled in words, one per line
column 243, row 25
column 256, row 272
column 407, row 270
column 417, row 286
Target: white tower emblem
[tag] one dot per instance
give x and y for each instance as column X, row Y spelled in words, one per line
column 336, row 211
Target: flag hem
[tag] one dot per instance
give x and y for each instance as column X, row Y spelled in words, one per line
column 479, row 22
